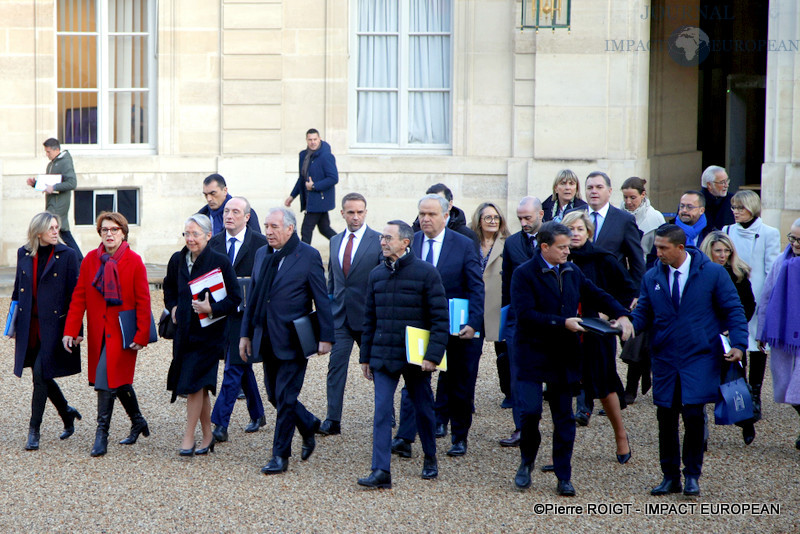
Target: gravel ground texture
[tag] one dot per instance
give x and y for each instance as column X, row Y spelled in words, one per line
column 147, row 487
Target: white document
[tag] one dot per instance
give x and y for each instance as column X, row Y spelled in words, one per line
column 43, row 180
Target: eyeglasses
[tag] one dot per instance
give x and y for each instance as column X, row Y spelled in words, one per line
column 738, row 208
column 192, row 234
column 112, row 230
column 385, row 237
column 491, row 218
column 687, row 207
column 792, row 239
column 722, row 182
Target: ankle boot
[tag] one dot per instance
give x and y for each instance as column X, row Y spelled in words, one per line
column 69, row 416
column 105, row 406
column 128, row 399
column 33, row 439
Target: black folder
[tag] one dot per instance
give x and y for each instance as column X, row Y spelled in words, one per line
column 307, row 331
column 127, row 323
column 599, row 326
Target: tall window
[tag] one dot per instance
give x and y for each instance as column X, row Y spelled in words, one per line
column 106, row 73
column 403, row 73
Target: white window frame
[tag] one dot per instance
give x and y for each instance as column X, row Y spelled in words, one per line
column 104, row 90
column 114, row 193
column 402, row 146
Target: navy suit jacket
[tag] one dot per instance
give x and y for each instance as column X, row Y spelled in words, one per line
column 350, row 292
column 620, row 236
column 299, row 280
column 460, row 269
column 517, row 251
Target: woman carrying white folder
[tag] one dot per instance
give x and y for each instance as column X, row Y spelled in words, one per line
column 198, row 346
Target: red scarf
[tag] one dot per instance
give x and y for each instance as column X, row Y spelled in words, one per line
column 106, row 281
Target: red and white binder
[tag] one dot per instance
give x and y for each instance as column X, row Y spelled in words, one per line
column 214, row 282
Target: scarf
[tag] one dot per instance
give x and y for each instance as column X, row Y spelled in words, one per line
column 782, row 328
column 692, row 231
column 557, row 213
column 269, row 270
column 307, row 162
column 647, row 218
column 106, row 281
column 217, row 223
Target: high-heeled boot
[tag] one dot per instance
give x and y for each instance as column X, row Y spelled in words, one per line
column 69, row 416
column 105, row 406
column 127, row 397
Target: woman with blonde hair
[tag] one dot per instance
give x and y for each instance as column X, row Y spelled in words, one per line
column 566, row 195
column 47, row 271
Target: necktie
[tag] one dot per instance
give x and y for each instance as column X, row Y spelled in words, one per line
column 429, row 257
column 232, row 249
column 676, row 289
column 595, row 217
column 348, row 252
column 532, row 239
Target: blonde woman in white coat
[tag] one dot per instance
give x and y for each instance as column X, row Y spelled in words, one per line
column 758, row 246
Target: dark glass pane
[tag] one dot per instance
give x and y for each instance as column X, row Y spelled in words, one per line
column 103, row 202
column 127, row 200
column 84, row 207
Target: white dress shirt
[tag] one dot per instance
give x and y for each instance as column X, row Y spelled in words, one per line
column 238, row 243
column 602, row 213
column 684, row 270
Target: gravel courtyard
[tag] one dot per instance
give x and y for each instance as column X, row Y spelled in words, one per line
column 147, row 487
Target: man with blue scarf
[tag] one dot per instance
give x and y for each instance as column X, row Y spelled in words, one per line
column 692, row 218
column 216, row 192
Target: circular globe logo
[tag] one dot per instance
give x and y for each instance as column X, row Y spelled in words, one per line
column 688, row 46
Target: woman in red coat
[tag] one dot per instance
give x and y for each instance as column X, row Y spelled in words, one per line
column 47, row 271
column 112, row 279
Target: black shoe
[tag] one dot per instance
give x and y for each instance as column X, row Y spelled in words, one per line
column 33, row 440
column 441, row 431
column 276, row 465
column 748, row 433
column 582, row 418
column 377, row 479
column 522, row 480
column 220, row 433
column 459, row 448
column 401, row 447
column 69, row 422
column 138, row 427
column 329, row 428
column 127, row 397
column 691, row 487
column 630, row 398
column 241, row 395
column 105, row 408
column 512, row 441
column 430, row 468
column 623, row 458
column 187, row 452
column 100, row 446
column 507, row 403
column 565, row 488
column 667, row 485
column 548, row 468
column 309, row 444
column 208, row 448
column 255, row 424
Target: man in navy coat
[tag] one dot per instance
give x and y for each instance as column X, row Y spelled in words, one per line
column 239, row 243
column 545, row 294
column 457, row 261
column 316, row 186
column 287, row 277
column 353, row 254
column 686, row 302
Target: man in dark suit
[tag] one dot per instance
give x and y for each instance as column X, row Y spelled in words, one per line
column 240, row 244
column 457, row 220
column 545, row 293
column 287, row 277
column 404, row 291
column 353, row 254
column 457, row 261
column 518, row 249
column 215, row 191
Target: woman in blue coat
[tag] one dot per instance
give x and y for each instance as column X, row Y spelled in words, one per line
column 47, row 271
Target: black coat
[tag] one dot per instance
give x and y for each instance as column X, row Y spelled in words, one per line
column 544, row 350
column 745, row 291
column 718, row 210
column 547, row 207
column 602, row 268
column 54, row 293
column 196, row 350
column 408, row 294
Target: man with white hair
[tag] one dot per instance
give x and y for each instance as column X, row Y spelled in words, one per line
column 715, row 184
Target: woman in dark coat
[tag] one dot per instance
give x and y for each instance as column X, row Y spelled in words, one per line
column 113, row 278
column 600, row 379
column 197, row 349
column 47, row 271
column 566, row 196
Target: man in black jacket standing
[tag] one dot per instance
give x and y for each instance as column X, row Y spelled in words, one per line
column 404, row 291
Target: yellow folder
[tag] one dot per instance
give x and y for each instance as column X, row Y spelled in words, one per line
column 417, row 344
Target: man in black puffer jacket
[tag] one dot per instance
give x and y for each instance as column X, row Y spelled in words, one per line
column 403, row 291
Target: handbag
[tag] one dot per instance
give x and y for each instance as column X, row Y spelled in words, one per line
column 166, row 328
column 735, row 402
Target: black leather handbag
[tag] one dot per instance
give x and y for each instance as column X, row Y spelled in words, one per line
column 166, row 328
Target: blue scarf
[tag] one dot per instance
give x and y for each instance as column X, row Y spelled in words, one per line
column 692, row 231
column 217, row 223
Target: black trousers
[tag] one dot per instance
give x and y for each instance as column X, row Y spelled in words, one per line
column 43, row 389
column 318, row 219
column 669, row 451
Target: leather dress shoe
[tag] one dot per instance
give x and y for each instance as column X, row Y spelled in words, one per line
column 377, row 479
column 623, row 458
column 329, row 428
column 276, row 465
column 691, row 487
column 401, row 447
column 309, row 444
column 459, row 448
column 565, row 488
column 582, row 418
column 255, row 424
column 522, row 480
column 430, row 468
column 33, row 440
column 548, row 468
column 441, row 430
column 220, row 433
column 512, row 441
column 208, row 448
column 182, row 452
column 667, row 485
column 69, row 422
